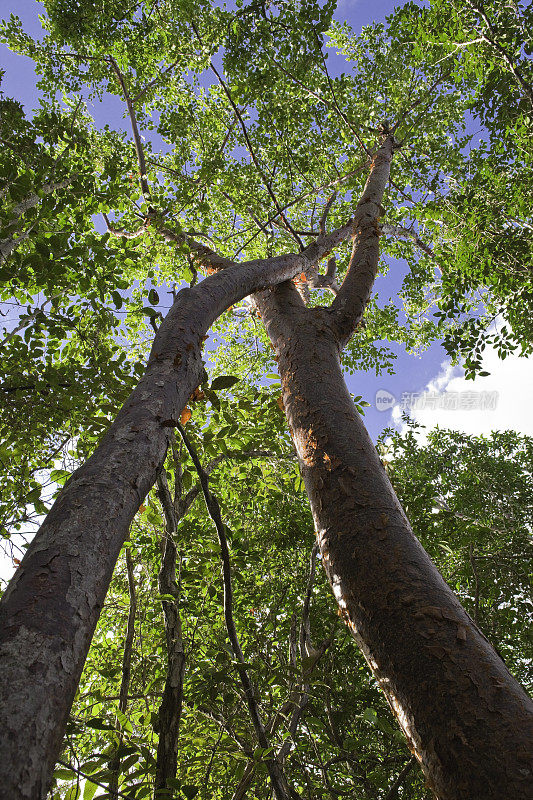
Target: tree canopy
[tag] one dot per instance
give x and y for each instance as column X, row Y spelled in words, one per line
column 243, row 144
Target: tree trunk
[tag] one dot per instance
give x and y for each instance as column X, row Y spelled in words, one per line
column 50, row 609
column 468, row 722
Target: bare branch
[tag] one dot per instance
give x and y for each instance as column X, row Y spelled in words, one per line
column 134, row 127
column 349, row 305
column 406, row 233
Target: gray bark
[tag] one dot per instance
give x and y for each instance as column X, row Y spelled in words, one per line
column 51, row 607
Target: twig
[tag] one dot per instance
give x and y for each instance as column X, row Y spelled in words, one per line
column 90, row 778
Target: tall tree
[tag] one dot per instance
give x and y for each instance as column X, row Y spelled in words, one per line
column 466, row 719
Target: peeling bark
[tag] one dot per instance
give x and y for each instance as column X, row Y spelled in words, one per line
column 468, row 722
column 50, row 609
column 466, row 719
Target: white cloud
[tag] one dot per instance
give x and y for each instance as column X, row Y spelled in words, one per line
column 501, row 401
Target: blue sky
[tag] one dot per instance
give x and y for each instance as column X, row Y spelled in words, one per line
column 413, row 374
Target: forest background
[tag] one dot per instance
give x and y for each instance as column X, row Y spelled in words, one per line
column 69, row 352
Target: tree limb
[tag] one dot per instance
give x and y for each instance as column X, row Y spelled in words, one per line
column 134, row 127
column 349, row 305
column 392, row 793
column 277, row 777
column 169, row 716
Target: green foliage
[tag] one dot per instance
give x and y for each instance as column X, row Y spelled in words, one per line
column 245, row 165
column 469, row 501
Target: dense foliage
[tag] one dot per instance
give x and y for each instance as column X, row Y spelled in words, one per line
column 244, row 136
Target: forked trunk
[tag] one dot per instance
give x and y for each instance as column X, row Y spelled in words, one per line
column 469, row 723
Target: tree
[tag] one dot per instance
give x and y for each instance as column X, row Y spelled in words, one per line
column 344, row 740
column 418, row 641
column 487, row 48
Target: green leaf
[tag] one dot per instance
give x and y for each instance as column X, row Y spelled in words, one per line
column 64, row 774
column 224, row 382
column 117, row 299
column 89, row 790
column 99, row 724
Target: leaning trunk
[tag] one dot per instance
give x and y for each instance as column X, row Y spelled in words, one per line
column 50, row 609
column 469, row 723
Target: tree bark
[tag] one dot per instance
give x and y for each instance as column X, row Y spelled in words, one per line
column 50, row 609
column 467, row 720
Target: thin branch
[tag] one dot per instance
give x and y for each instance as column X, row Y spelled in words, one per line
column 392, row 794
column 332, row 90
column 491, row 39
column 141, row 94
column 91, row 779
column 428, row 93
column 301, row 197
column 114, row 766
column 406, row 233
column 134, row 127
column 27, row 318
column 245, row 782
column 248, row 142
column 278, row 780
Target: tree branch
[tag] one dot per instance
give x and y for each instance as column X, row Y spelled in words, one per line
column 349, row 305
column 277, row 777
column 172, row 701
column 114, row 766
column 392, row 794
column 249, row 143
column 91, row 779
column 134, row 127
column 406, row 233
